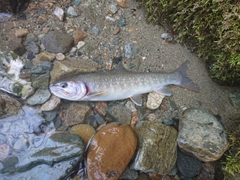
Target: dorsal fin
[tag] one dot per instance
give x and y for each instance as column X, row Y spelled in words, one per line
column 120, row 68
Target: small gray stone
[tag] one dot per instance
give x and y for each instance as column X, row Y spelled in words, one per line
column 32, row 47
column 129, row 174
column 57, row 42
column 235, row 99
column 30, row 38
column 121, row 22
column 201, row 135
column 188, row 166
column 40, row 97
column 71, row 11
column 50, row 115
column 77, row 2
column 47, row 65
column 119, row 113
column 128, row 50
column 95, row 30
column 113, row 8
column 37, row 69
column 40, row 81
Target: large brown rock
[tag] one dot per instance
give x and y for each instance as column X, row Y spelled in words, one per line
column 110, row 152
column 157, row 149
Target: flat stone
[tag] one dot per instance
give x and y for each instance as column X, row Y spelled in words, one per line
column 71, row 11
column 46, row 56
column 110, row 151
column 50, row 115
column 76, row 113
column 100, row 108
column 80, row 44
column 40, row 97
column 32, row 47
column 60, row 56
column 70, row 67
column 128, row 50
column 15, row 44
column 21, row 32
column 57, row 42
column 154, row 100
column 157, row 147
column 85, row 131
column 79, row 36
column 201, row 135
column 51, row 104
column 40, row 81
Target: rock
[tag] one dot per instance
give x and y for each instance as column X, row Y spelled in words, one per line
column 40, row 81
column 85, row 131
column 201, row 135
column 50, row 115
column 110, row 151
column 71, row 11
column 40, row 97
column 77, row 2
column 119, row 113
column 235, row 99
column 79, row 36
column 51, row 104
column 15, row 44
column 8, row 105
column 60, row 56
column 59, row 13
column 21, row 32
column 32, row 47
column 46, row 65
column 131, row 106
column 76, row 113
column 30, row 38
column 128, row 50
column 95, row 30
column 166, row 37
column 30, row 56
column 37, row 69
column 100, row 107
column 4, row 152
column 46, row 56
column 123, row 4
column 116, row 30
column 70, row 67
column 154, row 100
column 129, row 174
column 187, row 165
column 113, row 8
column 111, row 19
column 157, row 147
column 121, row 22
column 80, row 44
column 57, row 42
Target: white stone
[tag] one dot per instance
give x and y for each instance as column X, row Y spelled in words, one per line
column 60, row 56
column 154, row 100
column 51, row 104
column 59, row 13
column 131, row 106
column 80, row 44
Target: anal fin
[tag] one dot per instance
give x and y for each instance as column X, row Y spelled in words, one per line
column 137, row 99
column 163, row 90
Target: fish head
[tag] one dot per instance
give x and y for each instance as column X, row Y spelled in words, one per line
column 69, row 90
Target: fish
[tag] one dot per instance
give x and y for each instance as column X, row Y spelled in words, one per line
column 121, row 84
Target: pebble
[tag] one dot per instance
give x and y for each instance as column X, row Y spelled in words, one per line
column 110, row 19
column 21, row 32
column 32, row 47
column 59, row 13
column 37, row 69
column 131, row 106
column 51, row 104
column 110, row 151
column 101, row 107
column 30, row 56
column 157, row 147
column 166, row 37
column 187, row 165
column 80, row 44
column 57, row 42
column 154, row 100
column 235, row 99
column 46, row 56
column 47, row 65
column 76, row 113
column 129, row 174
column 31, row 38
column 60, row 56
column 113, row 8
column 40, row 81
column 95, row 30
column 79, row 36
column 116, row 30
column 121, row 22
column 85, row 131
column 128, row 50
column 77, row 2
column 50, row 115
column 71, row 11
column 39, row 97
column 202, row 135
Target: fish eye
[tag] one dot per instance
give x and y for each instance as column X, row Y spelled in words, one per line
column 63, row 85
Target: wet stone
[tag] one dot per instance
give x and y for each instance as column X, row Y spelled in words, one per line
column 57, row 42
column 40, row 81
column 71, row 11
column 40, row 97
column 129, row 174
column 235, row 99
column 51, row 104
column 95, row 30
column 154, row 100
column 157, row 147
column 47, row 65
column 128, row 50
column 30, row 56
column 201, row 135
column 121, row 22
column 31, row 38
column 187, row 165
column 37, row 69
column 32, row 47
column 110, row 151
column 50, row 115
column 46, row 56
column 77, row 2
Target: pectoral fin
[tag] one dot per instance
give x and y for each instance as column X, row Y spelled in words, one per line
column 94, row 94
column 137, row 99
column 163, row 90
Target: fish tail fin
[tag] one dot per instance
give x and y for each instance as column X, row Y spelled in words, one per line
column 185, row 82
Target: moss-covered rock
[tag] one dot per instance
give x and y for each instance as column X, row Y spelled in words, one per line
column 212, row 26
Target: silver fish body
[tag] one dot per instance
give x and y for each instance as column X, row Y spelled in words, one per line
column 120, row 84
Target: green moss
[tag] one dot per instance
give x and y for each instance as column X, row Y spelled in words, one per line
column 213, row 26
